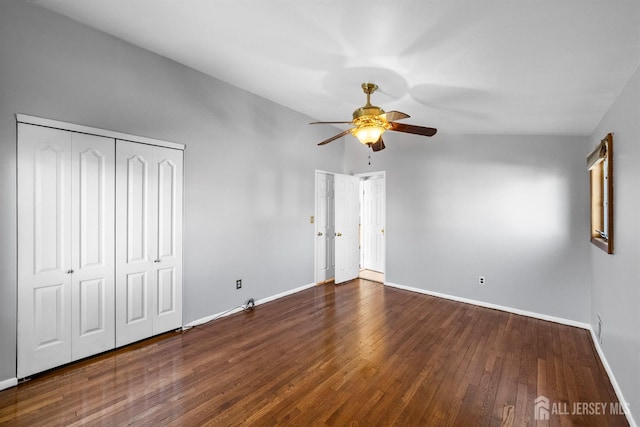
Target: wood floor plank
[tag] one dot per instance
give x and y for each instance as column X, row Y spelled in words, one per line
column 355, row 354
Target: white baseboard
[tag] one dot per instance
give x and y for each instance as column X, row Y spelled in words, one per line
column 240, row 308
column 285, row 293
column 560, row 320
column 11, row 382
column 535, row 315
column 612, row 378
column 212, row 317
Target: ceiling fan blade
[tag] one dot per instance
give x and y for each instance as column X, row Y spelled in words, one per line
column 417, row 130
column 395, row 115
column 333, row 138
column 378, row 145
column 329, row 123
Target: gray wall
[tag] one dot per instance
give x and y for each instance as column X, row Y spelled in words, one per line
column 616, row 278
column 511, row 208
column 249, row 183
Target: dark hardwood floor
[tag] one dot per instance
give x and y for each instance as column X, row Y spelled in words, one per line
column 356, row 354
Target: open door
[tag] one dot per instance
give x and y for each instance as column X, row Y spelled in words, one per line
column 324, row 227
column 347, row 213
column 373, row 224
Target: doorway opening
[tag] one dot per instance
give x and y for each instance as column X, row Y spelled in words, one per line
column 372, row 226
column 350, row 235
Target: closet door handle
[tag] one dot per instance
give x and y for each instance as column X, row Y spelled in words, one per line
column 69, row 271
column 157, row 260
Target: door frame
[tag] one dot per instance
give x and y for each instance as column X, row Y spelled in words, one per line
column 80, row 129
column 383, row 176
column 316, row 243
column 361, row 176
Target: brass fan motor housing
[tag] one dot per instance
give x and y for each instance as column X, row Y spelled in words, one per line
column 367, row 110
column 370, row 115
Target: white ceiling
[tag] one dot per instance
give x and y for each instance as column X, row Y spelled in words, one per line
column 471, row 66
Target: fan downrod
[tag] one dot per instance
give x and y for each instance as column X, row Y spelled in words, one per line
column 369, row 88
column 368, row 110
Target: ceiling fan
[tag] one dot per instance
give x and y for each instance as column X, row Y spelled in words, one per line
column 370, row 122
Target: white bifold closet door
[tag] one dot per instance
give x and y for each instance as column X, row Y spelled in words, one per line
column 66, row 247
column 148, row 241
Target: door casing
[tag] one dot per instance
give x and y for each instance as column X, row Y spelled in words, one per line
column 373, row 220
column 321, row 246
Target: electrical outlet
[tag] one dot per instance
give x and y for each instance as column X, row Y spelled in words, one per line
column 481, row 280
column 238, row 283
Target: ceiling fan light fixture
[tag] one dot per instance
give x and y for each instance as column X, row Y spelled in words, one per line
column 368, row 134
column 370, row 122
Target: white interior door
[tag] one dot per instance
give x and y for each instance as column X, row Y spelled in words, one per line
column 347, row 215
column 136, row 240
column 78, row 284
column 93, row 239
column 324, row 229
column 373, row 220
column 167, row 298
column 66, row 247
column 44, row 252
column 149, row 241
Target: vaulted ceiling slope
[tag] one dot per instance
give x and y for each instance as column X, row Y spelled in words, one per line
column 470, row 66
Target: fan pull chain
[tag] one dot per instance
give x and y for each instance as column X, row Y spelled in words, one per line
column 370, row 150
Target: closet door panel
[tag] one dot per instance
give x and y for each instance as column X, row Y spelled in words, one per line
column 44, row 249
column 50, row 206
column 93, row 237
column 92, row 309
column 166, row 291
column 137, row 290
column 136, row 231
column 138, row 227
column 168, row 295
column 48, row 324
column 167, row 208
